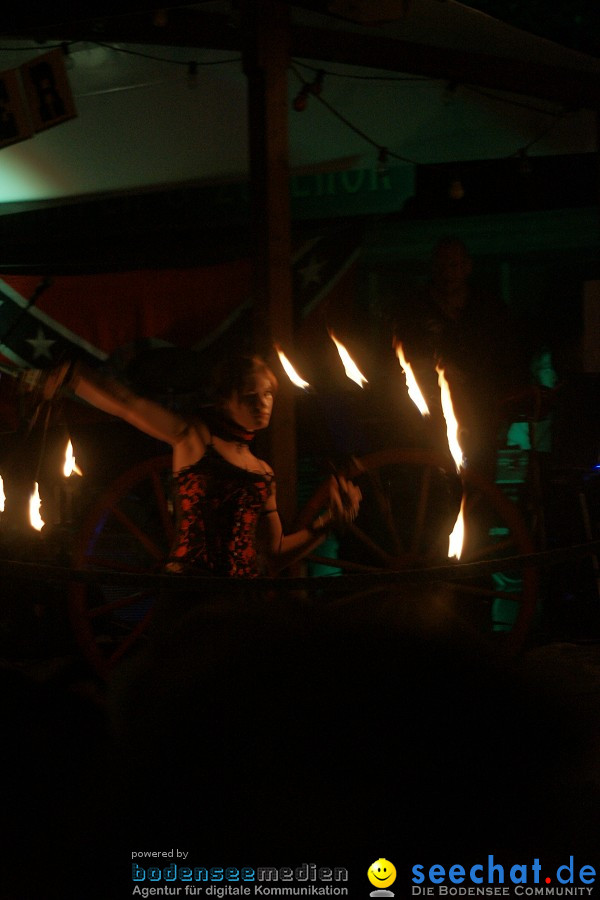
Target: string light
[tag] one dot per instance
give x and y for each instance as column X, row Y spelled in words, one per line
column 316, row 86
column 359, row 76
column 160, row 18
column 346, row 121
column 192, row 74
column 456, row 189
column 234, row 20
column 68, row 58
column 450, row 92
column 525, row 167
column 164, row 59
column 301, row 99
column 382, row 161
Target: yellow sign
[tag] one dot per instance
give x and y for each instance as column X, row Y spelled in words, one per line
column 34, row 97
column 15, row 124
column 48, row 90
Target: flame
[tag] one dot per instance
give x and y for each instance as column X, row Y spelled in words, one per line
column 2, row 495
column 290, row 370
column 414, row 391
column 70, row 465
column 35, row 502
column 451, row 422
column 352, row 370
column 457, row 537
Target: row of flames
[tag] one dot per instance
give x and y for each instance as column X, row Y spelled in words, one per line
column 456, row 539
column 70, row 467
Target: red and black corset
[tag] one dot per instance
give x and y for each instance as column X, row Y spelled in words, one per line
column 218, row 507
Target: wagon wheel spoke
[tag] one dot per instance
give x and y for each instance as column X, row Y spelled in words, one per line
column 477, row 590
column 374, row 547
column 421, row 510
column 115, row 565
column 418, row 492
column 138, row 533
column 126, row 644
column 122, row 603
column 345, row 564
column 127, row 530
column 491, row 550
column 354, row 596
column 383, row 503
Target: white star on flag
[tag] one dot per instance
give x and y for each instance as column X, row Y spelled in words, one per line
column 41, row 345
column 311, row 272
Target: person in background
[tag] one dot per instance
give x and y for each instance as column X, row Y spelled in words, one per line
column 469, row 333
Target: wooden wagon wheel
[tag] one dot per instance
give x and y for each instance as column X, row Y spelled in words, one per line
column 128, row 529
column 411, row 498
column 410, row 502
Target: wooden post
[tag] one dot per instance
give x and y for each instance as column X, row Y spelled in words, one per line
column 265, row 29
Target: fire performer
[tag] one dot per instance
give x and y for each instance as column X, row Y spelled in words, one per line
column 227, row 521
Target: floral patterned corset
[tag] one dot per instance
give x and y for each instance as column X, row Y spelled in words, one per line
column 218, row 507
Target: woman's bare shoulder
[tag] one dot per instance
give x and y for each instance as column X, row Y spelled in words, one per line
column 265, row 467
column 192, row 443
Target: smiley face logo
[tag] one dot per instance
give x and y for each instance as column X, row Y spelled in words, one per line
column 382, row 873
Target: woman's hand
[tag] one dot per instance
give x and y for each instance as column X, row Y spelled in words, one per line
column 46, row 382
column 344, row 500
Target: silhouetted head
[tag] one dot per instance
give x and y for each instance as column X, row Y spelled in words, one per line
column 452, row 264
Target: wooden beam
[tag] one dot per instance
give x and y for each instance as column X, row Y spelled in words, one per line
column 266, row 62
column 185, row 27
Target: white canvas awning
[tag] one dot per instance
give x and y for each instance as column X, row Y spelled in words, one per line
column 453, row 84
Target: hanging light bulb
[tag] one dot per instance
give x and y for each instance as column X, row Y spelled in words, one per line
column 449, row 92
column 382, row 161
column 317, row 85
column 456, row 190
column 525, row 167
column 160, row 18
column 235, row 18
column 67, row 56
column 301, row 99
column 192, row 74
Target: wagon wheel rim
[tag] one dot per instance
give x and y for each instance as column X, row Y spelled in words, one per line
column 416, row 550
column 88, row 618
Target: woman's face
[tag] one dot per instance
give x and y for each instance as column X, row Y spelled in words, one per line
column 252, row 407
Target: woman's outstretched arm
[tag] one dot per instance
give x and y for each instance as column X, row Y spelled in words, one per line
column 113, row 397
column 116, row 399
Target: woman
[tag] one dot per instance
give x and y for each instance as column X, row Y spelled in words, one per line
column 227, row 515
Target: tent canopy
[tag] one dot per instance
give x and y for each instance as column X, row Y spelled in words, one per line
column 428, row 81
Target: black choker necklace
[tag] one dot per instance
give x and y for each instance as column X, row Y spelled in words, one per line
column 228, row 430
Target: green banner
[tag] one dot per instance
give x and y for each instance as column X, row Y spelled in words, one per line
column 323, row 195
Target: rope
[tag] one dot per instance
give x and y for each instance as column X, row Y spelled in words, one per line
column 385, row 577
